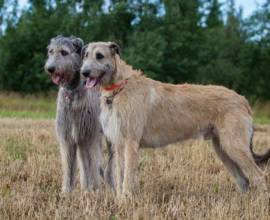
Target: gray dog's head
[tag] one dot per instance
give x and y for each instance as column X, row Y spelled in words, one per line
column 99, row 63
column 64, row 60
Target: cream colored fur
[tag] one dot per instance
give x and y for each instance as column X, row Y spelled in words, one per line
column 148, row 113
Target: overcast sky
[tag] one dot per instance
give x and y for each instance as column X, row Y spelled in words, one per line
column 248, row 5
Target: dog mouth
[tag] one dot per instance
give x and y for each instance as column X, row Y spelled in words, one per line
column 57, row 78
column 91, row 82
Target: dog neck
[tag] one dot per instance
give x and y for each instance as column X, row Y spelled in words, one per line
column 110, row 91
column 73, row 88
column 123, row 70
column 75, row 82
column 123, row 73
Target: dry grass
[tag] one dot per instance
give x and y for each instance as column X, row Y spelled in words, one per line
column 185, row 181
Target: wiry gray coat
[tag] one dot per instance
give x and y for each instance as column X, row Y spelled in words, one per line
column 77, row 126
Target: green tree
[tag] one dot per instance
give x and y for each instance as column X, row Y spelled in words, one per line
column 174, row 41
column 221, row 52
column 182, row 35
column 214, row 18
column 146, row 45
column 256, row 59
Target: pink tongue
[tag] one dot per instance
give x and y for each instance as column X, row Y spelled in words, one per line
column 90, row 83
column 56, row 79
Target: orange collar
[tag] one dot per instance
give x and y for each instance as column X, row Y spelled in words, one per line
column 115, row 86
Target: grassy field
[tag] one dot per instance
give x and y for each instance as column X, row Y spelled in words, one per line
column 182, row 181
column 28, row 106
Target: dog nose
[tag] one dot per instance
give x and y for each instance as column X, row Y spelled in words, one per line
column 51, row 69
column 86, row 73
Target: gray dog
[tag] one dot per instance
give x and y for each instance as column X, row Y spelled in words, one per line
column 77, row 125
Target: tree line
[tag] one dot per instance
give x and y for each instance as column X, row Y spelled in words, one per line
column 195, row 41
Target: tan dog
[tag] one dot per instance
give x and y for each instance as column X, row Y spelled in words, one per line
column 140, row 112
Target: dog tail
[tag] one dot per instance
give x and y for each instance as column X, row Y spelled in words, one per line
column 259, row 159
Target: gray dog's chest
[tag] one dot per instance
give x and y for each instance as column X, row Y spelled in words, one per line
column 77, row 119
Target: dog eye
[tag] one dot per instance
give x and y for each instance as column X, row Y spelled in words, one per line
column 63, row 52
column 99, row 56
column 50, row 51
column 86, row 54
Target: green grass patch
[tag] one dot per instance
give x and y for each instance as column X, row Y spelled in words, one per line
column 27, row 106
column 261, row 112
column 27, row 114
column 262, row 120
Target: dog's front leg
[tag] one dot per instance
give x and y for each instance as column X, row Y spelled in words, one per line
column 68, row 159
column 131, row 162
column 110, row 168
column 119, row 168
column 96, row 171
column 89, row 158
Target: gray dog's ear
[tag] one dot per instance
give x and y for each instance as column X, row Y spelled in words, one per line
column 78, row 43
column 115, row 48
column 83, row 50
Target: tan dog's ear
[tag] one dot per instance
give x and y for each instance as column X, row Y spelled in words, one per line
column 115, row 48
column 83, row 51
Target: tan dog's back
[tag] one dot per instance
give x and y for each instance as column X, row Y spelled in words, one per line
column 177, row 112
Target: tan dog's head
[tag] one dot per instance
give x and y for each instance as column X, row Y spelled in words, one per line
column 99, row 63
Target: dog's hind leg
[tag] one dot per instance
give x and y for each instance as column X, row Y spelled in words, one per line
column 235, row 137
column 241, row 180
column 247, row 163
column 68, row 159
